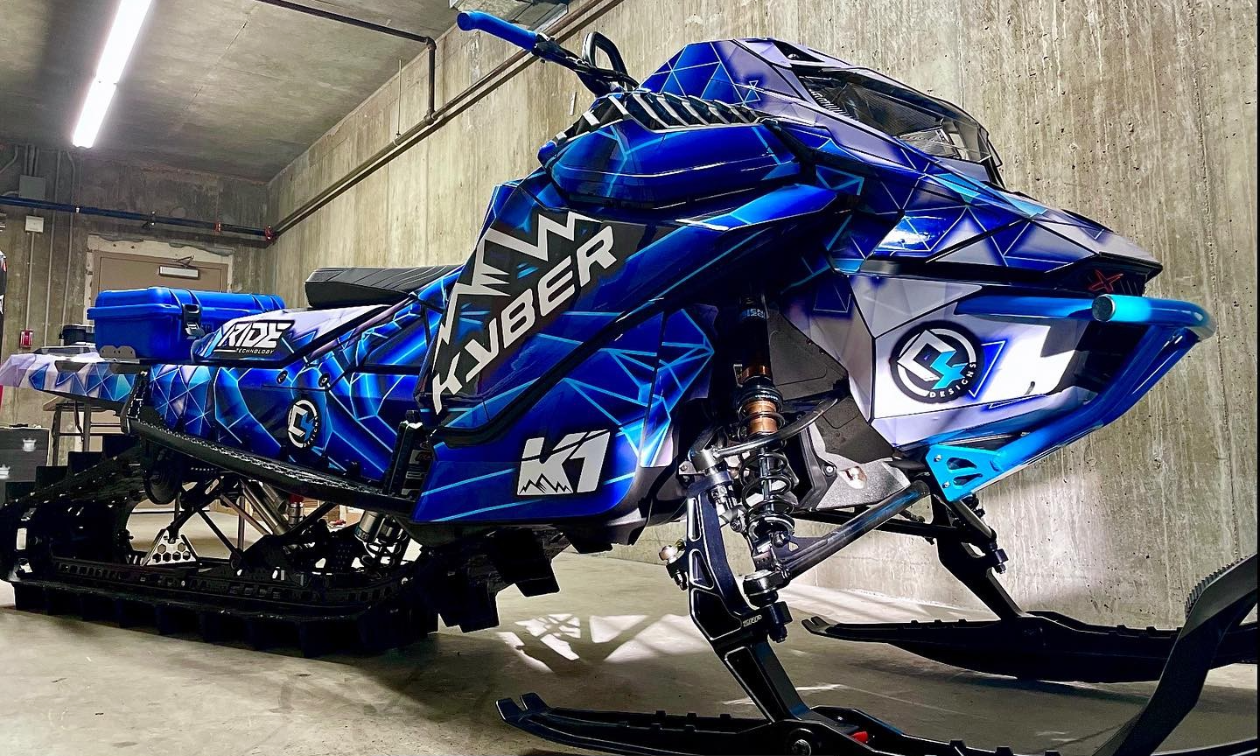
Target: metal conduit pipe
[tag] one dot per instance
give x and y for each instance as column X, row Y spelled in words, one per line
column 150, row 219
column 432, row 109
column 501, row 74
column 348, row 20
column 30, row 260
column 74, row 192
column 32, row 165
column 428, row 42
column 11, row 162
column 52, row 247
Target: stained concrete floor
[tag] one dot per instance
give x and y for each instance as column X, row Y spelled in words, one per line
column 617, row 636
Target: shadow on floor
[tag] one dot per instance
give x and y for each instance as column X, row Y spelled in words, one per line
column 615, row 637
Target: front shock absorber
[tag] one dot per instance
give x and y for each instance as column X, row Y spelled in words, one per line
column 765, row 476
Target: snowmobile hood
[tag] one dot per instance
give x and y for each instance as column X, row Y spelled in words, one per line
column 902, row 151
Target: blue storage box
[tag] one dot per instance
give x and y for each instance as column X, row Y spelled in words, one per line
column 160, row 324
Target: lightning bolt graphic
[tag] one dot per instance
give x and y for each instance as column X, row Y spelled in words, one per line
column 949, row 373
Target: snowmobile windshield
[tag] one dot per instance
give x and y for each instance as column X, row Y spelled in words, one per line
column 923, row 122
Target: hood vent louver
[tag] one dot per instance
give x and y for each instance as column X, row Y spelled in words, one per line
column 658, row 112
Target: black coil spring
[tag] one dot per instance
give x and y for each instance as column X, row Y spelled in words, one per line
column 765, row 472
column 389, row 545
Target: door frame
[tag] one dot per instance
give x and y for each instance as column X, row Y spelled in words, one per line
column 102, row 254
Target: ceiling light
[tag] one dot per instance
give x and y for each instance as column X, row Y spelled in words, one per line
column 93, row 114
column 122, row 37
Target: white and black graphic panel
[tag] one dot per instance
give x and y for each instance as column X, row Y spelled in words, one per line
column 517, row 282
column 946, row 372
column 251, row 338
column 571, row 466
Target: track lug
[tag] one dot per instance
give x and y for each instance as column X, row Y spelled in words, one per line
column 94, row 607
column 167, row 620
column 59, row 602
column 258, row 634
column 211, row 626
column 315, row 638
column 28, row 598
column 129, row 613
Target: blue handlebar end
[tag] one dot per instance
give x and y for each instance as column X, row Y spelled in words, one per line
column 478, row 21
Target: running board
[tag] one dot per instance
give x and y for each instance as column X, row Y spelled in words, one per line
column 1039, row 646
column 287, row 477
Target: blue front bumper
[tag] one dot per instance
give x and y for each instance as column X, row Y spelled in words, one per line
column 1172, row 328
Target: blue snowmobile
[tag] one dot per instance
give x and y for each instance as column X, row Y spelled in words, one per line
column 762, row 286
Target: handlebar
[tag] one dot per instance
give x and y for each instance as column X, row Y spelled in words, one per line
column 476, row 20
column 601, row 81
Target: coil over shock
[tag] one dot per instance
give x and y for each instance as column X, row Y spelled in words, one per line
column 765, row 475
column 383, row 538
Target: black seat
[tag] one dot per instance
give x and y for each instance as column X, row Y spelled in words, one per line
column 350, row 287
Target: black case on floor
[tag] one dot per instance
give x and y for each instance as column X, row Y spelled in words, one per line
column 21, row 463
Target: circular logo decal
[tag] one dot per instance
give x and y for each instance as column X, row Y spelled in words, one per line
column 936, row 363
column 303, row 423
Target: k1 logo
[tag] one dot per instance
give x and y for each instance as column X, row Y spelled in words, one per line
column 936, row 363
column 252, row 338
column 551, row 474
column 303, row 424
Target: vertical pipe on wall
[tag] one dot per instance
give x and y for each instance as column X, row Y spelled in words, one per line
column 52, row 246
column 32, row 165
column 26, row 302
column 74, row 192
column 432, row 111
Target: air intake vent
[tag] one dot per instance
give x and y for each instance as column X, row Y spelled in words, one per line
column 658, row 112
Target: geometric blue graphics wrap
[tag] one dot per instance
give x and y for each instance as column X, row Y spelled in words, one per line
column 629, row 389
column 81, row 376
column 557, row 374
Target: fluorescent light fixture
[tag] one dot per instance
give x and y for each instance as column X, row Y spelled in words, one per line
column 122, row 37
column 93, row 114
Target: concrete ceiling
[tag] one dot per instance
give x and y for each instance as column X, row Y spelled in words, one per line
column 227, row 86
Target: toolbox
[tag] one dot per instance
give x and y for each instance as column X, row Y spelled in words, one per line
column 159, row 324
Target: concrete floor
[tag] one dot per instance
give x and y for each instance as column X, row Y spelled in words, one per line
column 616, row 637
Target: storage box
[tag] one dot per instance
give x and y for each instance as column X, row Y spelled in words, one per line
column 159, row 324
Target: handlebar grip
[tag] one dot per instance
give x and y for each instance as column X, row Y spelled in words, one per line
column 476, row 20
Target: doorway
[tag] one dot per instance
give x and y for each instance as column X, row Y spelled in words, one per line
column 123, row 270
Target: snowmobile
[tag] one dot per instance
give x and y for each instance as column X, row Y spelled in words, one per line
column 759, row 288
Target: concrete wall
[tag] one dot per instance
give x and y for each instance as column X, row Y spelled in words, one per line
column 1142, row 115
column 66, row 252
